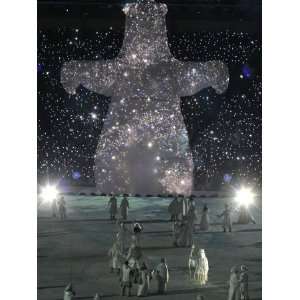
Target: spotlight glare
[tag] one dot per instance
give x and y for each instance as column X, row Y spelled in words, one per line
column 49, row 193
column 244, row 197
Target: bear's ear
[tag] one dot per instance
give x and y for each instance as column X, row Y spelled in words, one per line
column 164, row 8
column 126, row 8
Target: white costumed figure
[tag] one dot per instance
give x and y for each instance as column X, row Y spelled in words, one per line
column 202, row 267
column 234, row 285
column 162, row 276
column 124, row 208
column 227, row 221
column 116, row 257
column 97, row 297
column 122, row 236
column 204, row 223
column 69, row 293
column 134, row 256
column 144, row 281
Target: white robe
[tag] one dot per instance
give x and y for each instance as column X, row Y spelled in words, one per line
column 202, row 269
column 144, row 283
column 234, row 287
column 204, row 223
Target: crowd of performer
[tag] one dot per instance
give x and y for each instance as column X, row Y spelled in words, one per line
column 134, row 270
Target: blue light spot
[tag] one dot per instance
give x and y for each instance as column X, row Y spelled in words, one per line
column 247, row 72
column 76, row 175
column 227, row 178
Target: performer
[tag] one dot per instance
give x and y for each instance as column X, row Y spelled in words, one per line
column 116, row 257
column 134, row 256
column 144, row 281
column 122, row 236
column 234, row 285
column 202, row 267
column 244, row 283
column 113, row 207
column 174, row 209
column 69, row 293
column 62, row 208
column 137, row 231
column 204, row 223
column 126, row 279
column 97, row 297
column 192, row 262
column 245, row 216
column 124, row 206
column 227, row 223
column 162, row 276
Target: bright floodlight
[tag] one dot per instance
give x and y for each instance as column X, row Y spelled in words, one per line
column 244, row 197
column 49, row 193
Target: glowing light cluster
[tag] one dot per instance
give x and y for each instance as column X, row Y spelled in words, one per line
column 244, row 197
column 49, row 193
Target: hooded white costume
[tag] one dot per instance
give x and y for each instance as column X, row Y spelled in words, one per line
column 116, row 257
column 204, row 223
column 202, row 267
column 234, row 285
column 124, row 208
column 227, row 221
column 69, row 292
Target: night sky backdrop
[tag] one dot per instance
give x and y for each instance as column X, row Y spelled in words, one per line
column 224, row 130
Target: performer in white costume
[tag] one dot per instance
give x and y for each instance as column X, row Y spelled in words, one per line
column 204, row 223
column 162, row 276
column 202, row 267
column 227, row 221
column 234, row 285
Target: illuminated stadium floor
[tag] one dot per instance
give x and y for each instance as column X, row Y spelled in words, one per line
column 77, row 249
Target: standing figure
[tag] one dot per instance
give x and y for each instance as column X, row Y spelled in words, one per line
column 122, row 236
column 245, row 216
column 162, row 276
column 113, row 207
column 134, row 256
column 124, row 208
column 244, row 283
column 97, row 297
column 234, row 285
column 174, row 209
column 144, row 281
column 126, row 279
column 69, row 293
column 116, row 257
column 54, row 208
column 192, row 262
column 204, row 223
column 202, row 267
column 227, row 222
column 62, row 208
column 137, row 231
column 176, row 233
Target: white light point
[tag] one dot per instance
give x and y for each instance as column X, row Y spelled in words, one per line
column 244, row 197
column 49, row 193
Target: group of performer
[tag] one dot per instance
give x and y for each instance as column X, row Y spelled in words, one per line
column 59, row 208
column 132, row 268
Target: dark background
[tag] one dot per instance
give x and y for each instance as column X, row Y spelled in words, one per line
column 224, row 130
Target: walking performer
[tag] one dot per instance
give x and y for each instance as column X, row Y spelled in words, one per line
column 137, row 232
column 162, row 276
column 113, row 207
column 122, row 236
column 244, row 283
column 204, row 223
column 124, row 206
column 234, row 285
column 226, row 214
column 69, row 293
column 144, row 281
column 62, row 208
column 202, row 267
column 116, row 257
column 126, row 279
